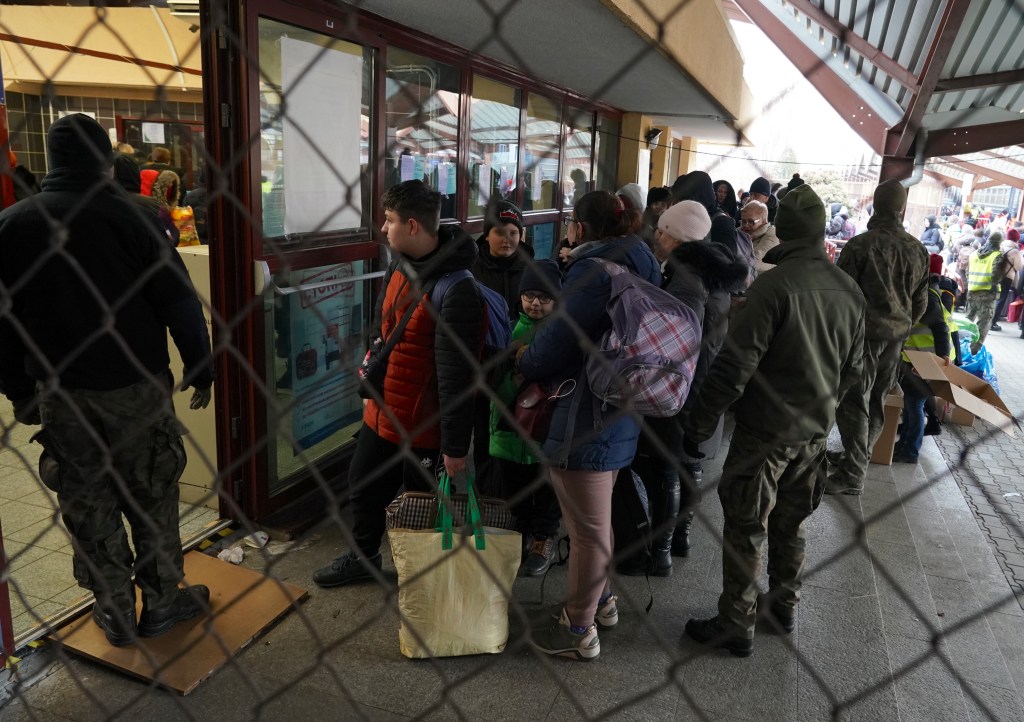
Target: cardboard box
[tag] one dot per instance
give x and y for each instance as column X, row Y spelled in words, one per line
column 886, row 443
column 973, row 396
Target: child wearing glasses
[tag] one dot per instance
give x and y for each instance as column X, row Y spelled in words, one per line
column 523, row 479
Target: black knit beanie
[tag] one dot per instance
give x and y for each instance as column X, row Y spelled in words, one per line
column 541, row 276
column 126, row 173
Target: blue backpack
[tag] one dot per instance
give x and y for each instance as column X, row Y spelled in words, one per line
column 499, row 330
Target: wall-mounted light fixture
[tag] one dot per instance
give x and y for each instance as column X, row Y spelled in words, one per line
column 651, row 136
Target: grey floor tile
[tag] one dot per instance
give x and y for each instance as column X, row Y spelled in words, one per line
column 1009, row 634
column 884, row 517
column 16, row 516
column 926, row 688
column 16, row 484
column 843, row 662
column 986, row 702
column 43, row 498
column 84, row 691
column 19, row 554
column 968, row 640
column 48, row 534
column 46, row 577
column 903, row 593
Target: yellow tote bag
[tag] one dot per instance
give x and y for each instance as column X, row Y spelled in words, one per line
column 453, row 588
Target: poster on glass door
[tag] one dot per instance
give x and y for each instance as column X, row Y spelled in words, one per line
column 327, row 347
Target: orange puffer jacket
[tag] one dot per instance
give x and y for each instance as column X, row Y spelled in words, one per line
column 429, row 372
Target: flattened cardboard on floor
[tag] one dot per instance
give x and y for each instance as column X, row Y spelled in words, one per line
column 967, row 391
column 243, row 603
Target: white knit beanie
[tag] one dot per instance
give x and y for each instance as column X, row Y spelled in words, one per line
column 686, row 221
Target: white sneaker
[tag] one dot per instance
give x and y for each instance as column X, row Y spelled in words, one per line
column 559, row 639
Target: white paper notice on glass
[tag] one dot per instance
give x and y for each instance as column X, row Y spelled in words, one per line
column 449, row 184
column 537, row 178
column 442, row 178
column 484, row 181
column 504, row 185
column 153, row 133
column 322, row 88
column 406, row 166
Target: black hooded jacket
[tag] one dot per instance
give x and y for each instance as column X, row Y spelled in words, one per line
column 703, row 276
column 696, row 186
column 502, row 274
column 93, row 289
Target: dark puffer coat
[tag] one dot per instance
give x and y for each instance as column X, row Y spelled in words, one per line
column 703, row 276
column 427, row 372
column 605, row 441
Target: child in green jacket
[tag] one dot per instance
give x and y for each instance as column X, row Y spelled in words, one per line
column 523, row 479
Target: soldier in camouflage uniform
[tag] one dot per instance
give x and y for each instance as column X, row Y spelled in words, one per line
column 88, row 292
column 793, row 349
column 891, row 268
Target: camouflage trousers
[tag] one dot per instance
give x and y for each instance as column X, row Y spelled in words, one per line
column 981, row 308
column 881, row 360
column 108, row 453
column 767, row 492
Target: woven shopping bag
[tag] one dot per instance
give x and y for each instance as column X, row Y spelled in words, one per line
column 454, row 583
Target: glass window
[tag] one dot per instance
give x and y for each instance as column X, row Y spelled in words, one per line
column 315, row 95
column 579, row 141
column 544, row 239
column 543, row 139
column 607, row 153
column 493, row 142
column 319, row 321
column 422, row 120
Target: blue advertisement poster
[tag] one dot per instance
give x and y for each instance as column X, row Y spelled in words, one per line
column 326, row 330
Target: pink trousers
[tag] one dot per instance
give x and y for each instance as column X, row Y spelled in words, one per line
column 586, row 501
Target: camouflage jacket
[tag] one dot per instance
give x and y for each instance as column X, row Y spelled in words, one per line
column 891, row 268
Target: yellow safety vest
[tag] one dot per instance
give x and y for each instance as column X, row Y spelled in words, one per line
column 979, row 272
column 921, row 337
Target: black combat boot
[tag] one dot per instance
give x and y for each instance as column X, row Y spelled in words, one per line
column 664, row 517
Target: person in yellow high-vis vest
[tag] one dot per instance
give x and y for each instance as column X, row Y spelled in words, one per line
column 985, row 269
column 934, row 334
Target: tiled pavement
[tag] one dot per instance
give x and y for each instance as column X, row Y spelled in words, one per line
column 905, row 616
column 992, row 473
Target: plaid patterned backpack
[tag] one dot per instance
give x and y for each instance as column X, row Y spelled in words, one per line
column 645, row 362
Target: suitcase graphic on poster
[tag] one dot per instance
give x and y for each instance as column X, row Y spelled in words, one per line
column 305, row 362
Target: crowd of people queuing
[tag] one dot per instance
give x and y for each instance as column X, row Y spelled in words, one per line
column 755, row 268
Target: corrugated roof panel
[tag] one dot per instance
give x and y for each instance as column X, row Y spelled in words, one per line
column 970, row 42
column 922, row 27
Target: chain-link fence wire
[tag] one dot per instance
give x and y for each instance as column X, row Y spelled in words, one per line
column 330, row 648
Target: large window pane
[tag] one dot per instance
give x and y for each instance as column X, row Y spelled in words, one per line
column 314, row 132
column 493, row 142
column 579, row 141
column 543, row 138
column 422, row 119
column 607, row 153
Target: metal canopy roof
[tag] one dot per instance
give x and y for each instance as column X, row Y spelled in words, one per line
column 936, row 79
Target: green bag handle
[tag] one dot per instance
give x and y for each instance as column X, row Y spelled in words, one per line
column 444, row 523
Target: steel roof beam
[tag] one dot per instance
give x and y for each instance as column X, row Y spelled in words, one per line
column 900, row 138
column 879, row 59
column 974, row 138
column 987, row 184
column 984, row 80
column 947, row 180
column 1015, row 181
column 1004, row 159
column 833, row 88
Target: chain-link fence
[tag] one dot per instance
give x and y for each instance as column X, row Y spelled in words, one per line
column 362, row 362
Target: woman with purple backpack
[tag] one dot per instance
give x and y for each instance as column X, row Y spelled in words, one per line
column 589, row 441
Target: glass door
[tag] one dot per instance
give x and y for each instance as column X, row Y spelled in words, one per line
column 315, row 110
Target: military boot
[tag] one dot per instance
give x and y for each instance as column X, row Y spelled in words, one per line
column 689, row 499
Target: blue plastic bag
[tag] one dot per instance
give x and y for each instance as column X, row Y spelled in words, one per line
column 980, row 365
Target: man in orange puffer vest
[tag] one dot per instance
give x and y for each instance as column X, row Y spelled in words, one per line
column 427, row 411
